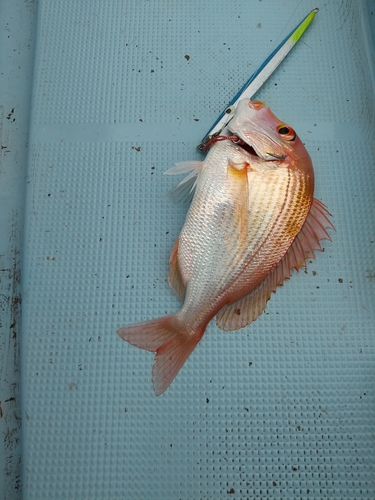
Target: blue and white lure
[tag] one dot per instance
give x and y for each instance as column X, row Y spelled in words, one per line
column 258, row 78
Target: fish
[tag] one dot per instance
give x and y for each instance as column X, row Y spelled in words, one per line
column 252, row 219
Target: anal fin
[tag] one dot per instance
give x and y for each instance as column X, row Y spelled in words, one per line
column 174, row 276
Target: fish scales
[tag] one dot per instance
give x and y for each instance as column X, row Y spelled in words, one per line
column 269, row 201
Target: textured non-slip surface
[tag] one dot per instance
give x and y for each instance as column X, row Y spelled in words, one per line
column 281, row 409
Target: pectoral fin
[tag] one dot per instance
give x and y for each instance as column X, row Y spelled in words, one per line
column 239, row 190
column 250, row 307
column 184, row 191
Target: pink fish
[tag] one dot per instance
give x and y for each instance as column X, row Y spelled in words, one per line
column 252, row 219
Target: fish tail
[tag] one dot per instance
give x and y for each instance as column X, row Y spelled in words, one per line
column 170, row 339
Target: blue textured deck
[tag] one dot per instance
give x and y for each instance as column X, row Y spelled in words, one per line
column 281, row 409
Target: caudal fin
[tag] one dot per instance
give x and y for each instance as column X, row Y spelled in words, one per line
column 172, row 342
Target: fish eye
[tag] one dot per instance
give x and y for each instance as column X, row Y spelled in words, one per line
column 230, row 110
column 287, row 132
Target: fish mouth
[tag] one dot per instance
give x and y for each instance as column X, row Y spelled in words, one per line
column 253, row 124
column 246, row 145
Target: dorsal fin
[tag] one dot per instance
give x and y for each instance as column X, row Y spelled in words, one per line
column 250, row 307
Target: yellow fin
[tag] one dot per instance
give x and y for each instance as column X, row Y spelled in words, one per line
column 239, row 190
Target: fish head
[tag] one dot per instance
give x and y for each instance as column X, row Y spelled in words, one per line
column 267, row 136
